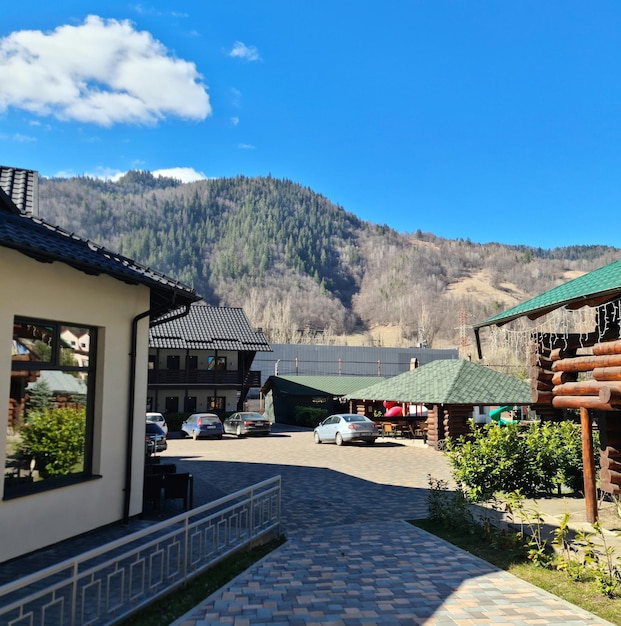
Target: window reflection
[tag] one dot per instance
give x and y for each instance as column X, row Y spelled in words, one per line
column 32, row 342
column 49, row 428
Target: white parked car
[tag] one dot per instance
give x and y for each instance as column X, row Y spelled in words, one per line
column 158, row 418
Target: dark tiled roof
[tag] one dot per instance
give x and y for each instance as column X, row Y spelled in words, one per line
column 449, row 382
column 21, row 187
column 209, row 328
column 46, row 243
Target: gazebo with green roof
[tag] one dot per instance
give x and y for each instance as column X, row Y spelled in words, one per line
column 450, row 389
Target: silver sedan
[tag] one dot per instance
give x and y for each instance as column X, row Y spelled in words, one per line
column 345, row 427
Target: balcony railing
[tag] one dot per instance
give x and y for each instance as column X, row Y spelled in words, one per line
column 205, row 377
column 107, row 584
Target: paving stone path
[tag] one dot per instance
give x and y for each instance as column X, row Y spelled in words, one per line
column 350, row 557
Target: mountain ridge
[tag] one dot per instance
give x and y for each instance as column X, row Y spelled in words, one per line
column 298, row 263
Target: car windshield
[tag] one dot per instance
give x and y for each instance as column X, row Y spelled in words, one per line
column 355, row 418
column 210, row 420
column 155, row 418
column 154, row 429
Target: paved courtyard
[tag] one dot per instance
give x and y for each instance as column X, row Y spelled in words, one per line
column 322, row 485
column 350, row 558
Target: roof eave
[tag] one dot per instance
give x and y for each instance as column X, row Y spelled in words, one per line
column 593, row 300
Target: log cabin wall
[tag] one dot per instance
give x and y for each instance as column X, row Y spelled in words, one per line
column 447, row 421
column 582, row 371
column 435, row 427
column 456, row 419
column 610, row 451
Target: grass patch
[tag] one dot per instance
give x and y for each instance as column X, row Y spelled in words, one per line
column 172, row 606
column 505, row 554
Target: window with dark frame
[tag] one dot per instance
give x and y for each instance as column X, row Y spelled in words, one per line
column 50, row 421
column 216, row 363
column 216, row 403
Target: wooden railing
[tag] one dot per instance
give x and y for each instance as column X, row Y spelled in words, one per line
column 205, row 377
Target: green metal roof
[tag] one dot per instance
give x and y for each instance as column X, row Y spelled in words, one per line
column 313, row 385
column 449, row 382
column 592, row 289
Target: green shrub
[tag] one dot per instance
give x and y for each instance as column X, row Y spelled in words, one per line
column 308, row 416
column 54, row 439
column 501, row 459
column 174, row 420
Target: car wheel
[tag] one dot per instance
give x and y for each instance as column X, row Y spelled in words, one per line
column 219, row 436
column 338, row 439
column 370, row 441
column 194, row 435
column 317, row 438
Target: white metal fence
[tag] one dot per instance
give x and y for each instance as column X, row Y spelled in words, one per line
column 104, row 585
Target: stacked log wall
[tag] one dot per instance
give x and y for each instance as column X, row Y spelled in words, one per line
column 434, row 432
column 610, row 452
column 554, row 382
column 456, row 420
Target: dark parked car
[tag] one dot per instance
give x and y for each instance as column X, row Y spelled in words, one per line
column 247, row 423
column 346, row 427
column 154, row 438
column 207, row 425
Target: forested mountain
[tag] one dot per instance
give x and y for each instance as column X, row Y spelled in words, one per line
column 297, row 263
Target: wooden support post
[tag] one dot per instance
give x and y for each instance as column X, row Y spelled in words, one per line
column 588, row 461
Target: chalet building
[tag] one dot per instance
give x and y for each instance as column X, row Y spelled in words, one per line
column 202, row 361
column 77, row 318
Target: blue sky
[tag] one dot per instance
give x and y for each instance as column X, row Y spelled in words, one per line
column 477, row 119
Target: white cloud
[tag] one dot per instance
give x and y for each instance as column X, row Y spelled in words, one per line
column 104, row 173
column 242, row 51
column 102, row 71
column 246, row 146
column 184, row 174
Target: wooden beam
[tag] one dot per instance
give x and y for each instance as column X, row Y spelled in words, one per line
column 541, row 397
column 586, row 363
column 560, row 378
column 607, row 373
column 607, row 347
column 583, row 388
column 610, row 395
column 588, row 462
column 579, row 402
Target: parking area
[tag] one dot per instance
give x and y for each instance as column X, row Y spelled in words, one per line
column 322, row 484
